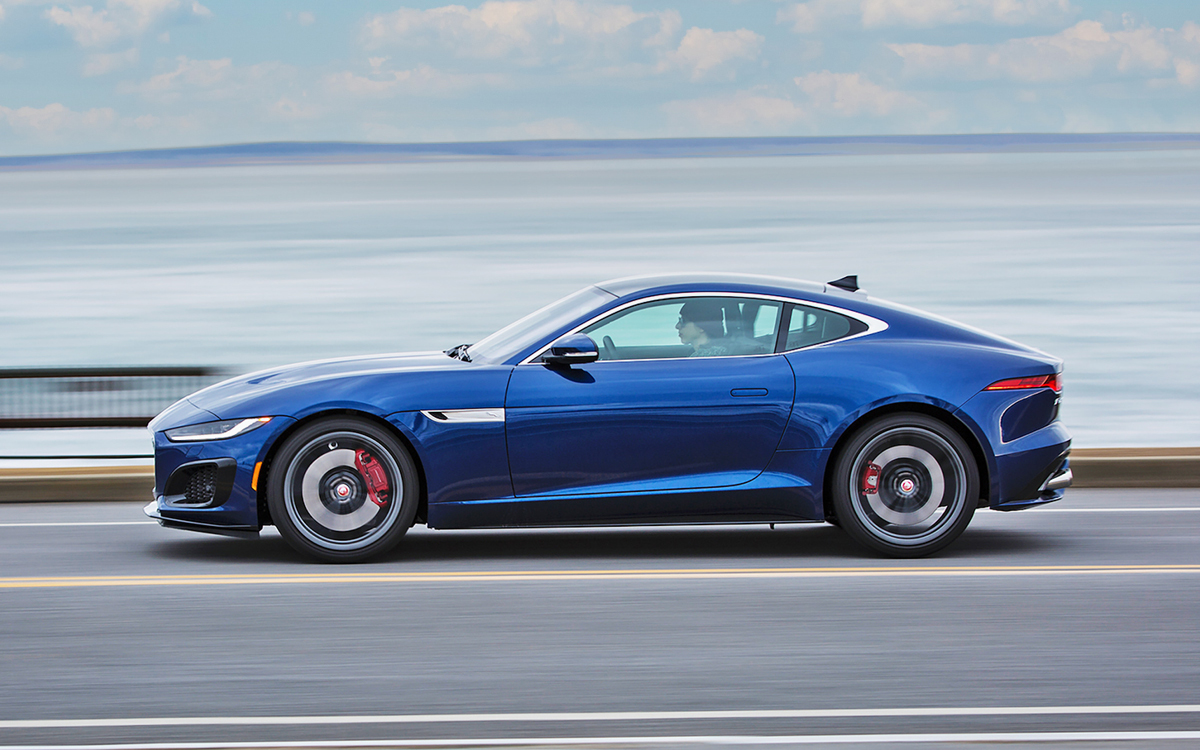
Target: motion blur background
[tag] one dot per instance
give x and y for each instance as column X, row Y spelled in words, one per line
column 241, row 264
column 1088, row 256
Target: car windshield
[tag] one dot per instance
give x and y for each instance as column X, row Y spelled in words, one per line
column 531, row 329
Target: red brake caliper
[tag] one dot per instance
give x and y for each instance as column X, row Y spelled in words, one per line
column 372, row 471
column 870, row 480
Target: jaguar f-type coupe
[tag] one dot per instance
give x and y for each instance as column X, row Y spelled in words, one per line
column 654, row 400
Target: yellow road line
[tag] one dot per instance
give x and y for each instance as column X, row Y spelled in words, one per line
column 584, row 575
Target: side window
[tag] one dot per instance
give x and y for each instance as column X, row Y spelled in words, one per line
column 688, row 327
column 810, row 325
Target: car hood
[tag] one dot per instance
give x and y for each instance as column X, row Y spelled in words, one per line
column 301, row 372
column 378, row 384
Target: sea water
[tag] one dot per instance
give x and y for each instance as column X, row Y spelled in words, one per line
column 1092, row 257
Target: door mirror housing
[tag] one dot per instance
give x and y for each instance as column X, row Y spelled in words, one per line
column 575, row 349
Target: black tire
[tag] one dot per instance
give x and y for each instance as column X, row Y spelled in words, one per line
column 326, row 499
column 905, row 485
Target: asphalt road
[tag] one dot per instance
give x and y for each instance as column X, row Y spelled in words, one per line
column 1070, row 626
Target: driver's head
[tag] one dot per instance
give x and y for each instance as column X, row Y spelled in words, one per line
column 705, row 314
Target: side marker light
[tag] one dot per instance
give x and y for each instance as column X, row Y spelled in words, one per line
column 254, row 479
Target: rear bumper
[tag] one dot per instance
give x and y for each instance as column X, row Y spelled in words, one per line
column 1035, row 478
column 1059, row 481
column 1029, row 465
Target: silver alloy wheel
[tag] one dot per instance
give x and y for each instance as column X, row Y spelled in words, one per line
column 328, row 498
column 907, row 484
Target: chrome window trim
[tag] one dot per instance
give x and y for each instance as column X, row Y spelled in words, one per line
column 874, row 325
column 463, row 416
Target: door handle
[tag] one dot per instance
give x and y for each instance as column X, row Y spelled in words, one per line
column 748, row 392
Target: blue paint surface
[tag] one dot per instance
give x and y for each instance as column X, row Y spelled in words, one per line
column 645, row 440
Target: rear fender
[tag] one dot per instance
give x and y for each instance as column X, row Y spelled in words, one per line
column 985, row 459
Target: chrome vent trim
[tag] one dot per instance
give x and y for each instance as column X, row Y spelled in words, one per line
column 464, row 416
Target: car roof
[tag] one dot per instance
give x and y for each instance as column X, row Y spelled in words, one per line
column 709, row 282
column 909, row 321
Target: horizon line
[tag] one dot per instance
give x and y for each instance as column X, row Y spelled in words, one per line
column 328, row 152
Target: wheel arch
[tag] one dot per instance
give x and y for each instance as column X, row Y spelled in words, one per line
column 908, row 407
column 264, row 513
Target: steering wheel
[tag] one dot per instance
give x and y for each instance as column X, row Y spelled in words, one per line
column 610, row 349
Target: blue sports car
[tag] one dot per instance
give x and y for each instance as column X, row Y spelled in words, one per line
column 676, row 399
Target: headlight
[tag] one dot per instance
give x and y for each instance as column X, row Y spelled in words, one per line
column 215, row 430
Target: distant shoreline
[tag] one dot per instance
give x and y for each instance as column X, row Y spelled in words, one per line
column 300, row 153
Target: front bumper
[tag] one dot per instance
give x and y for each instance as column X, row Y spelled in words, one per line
column 234, row 508
column 242, row 532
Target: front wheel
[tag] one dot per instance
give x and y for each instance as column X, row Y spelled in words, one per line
column 342, row 490
column 905, row 485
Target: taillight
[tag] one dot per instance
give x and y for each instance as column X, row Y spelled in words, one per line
column 1053, row 382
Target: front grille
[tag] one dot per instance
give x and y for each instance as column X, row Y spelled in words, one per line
column 201, row 486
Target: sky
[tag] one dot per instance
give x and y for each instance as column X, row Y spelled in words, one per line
column 122, row 74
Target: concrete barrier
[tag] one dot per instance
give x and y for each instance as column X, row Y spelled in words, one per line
column 1136, row 467
column 131, row 483
column 1093, row 467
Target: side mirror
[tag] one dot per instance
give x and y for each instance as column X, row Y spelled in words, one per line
column 576, row 349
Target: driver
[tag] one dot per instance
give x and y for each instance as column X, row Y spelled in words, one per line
column 700, row 326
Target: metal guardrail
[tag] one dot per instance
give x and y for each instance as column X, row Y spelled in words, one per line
column 95, row 396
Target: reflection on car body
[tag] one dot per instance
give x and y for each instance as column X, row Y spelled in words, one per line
column 682, row 399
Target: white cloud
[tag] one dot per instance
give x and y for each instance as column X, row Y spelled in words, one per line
column 290, row 109
column 120, row 18
column 89, row 27
column 925, row 13
column 102, row 63
column 420, row 80
column 805, row 18
column 742, row 113
column 306, row 18
column 189, row 74
column 56, row 119
column 850, row 95
column 1187, row 72
column 10, row 63
column 172, row 125
column 1, row 12
column 703, row 50
column 213, row 80
column 526, row 29
column 1074, row 53
column 1191, row 32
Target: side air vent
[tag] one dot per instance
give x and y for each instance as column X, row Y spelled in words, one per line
column 201, row 484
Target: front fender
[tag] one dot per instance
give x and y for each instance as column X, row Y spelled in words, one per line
column 378, row 394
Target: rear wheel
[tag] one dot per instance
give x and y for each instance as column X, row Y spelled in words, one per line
column 342, row 490
column 905, row 485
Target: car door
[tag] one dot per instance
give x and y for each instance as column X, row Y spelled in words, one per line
column 650, row 416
